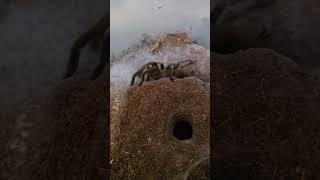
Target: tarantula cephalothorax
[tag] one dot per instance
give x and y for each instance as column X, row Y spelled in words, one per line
column 152, row 71
column 98, row 37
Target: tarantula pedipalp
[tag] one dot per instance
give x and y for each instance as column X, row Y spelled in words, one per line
column 98, row 37
column 152, row 71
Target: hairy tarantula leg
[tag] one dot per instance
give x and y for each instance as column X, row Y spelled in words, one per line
column 143, row 76
column 75, row 55
column 139, row 73
column 171, row 75
column 148, row 77
column 161, row 66
column 83, row 40
column 176, row 66
column 174, row 71
column 97, row 41
column 169, row 72
column 133, row 77
column 189, row 63
column 103, row 59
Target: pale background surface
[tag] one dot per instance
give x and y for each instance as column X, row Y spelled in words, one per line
column 129, row 19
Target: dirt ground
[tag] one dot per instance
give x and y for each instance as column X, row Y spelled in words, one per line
column 266, row 100
column 73, row 146
column 142, row 118
column 145, row 145
column 266, row 119
column 35, row 142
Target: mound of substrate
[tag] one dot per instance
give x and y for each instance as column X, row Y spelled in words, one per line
column 266, row 118
column 164, row 129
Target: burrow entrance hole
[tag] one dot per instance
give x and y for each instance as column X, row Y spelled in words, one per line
column 182, row 127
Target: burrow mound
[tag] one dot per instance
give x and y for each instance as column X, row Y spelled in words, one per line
column 79, row 145
column 164, row 129
column 288, row 27
column 266, row 120
column 175, row 47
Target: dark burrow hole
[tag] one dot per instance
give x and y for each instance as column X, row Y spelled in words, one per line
column 182, row 130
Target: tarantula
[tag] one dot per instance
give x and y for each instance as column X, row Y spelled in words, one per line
column 156, row 70
column 98, row 37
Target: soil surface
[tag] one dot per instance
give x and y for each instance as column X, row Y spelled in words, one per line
column 266, row 124
column 143, row 118
column 36, row 142
column 145, row 144
column 266, row 119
